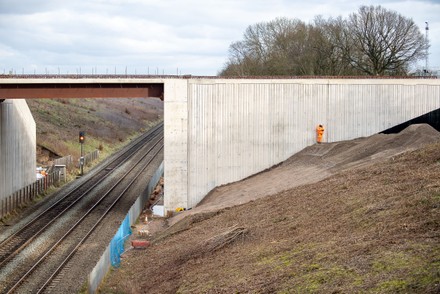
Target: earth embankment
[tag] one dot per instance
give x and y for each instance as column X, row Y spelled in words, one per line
column 315, row 163
column 361, row 216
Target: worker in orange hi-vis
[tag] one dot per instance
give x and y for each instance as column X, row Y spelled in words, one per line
column 319, row 133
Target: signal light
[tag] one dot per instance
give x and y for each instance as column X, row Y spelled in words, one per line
column 82, row 137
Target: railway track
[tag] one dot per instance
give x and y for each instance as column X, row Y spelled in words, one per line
column 19, row 270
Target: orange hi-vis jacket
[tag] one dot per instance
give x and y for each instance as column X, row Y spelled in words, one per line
column 319, row 133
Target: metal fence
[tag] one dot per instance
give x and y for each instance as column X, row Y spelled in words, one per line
column 66, row 160
column 29, row 192
column 89, row 157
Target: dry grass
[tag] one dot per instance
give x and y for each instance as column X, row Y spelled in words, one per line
column 228, row 237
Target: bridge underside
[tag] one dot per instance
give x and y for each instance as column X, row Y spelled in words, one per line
column 80, row 90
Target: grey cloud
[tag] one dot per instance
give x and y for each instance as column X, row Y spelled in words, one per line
column 193, row 35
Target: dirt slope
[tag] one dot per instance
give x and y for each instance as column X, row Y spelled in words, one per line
column 371, row 226
column 315, row 163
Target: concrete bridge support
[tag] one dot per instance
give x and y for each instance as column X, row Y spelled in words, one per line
column 219, row 131
column 17, row 146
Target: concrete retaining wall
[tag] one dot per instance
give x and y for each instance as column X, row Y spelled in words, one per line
column 17, row 146
column 219, row 131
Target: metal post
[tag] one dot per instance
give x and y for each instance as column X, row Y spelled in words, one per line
column 81, row 160
column 427, row 48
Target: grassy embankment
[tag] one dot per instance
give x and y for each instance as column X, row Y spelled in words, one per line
column 109, row 125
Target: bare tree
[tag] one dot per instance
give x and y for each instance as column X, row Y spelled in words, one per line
column 265, row 50
column 373, row 41
column 239, row 63
column 382, row 42
column 330, row 56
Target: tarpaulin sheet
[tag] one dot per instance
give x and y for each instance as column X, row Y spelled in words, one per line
column 117, row 243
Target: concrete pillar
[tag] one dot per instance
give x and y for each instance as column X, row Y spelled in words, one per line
column 176, row 143
column 17, row 146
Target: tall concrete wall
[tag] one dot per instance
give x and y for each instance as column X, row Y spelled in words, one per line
column 176, row 143
column 17, row 146
column 219, row 131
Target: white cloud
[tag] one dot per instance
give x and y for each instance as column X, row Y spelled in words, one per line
column 190, row 35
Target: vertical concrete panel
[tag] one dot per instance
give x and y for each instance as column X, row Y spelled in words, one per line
column 28, row 150
column 238, row 128
column 3, row 125
column 176, row 143
column 17, row 146
column 361, row 108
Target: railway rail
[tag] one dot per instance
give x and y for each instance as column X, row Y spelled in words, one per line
column 141, row 152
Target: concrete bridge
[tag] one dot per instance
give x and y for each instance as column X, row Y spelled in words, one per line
column 219, row 131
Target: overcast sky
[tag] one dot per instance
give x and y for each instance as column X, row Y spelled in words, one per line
column 159, row 36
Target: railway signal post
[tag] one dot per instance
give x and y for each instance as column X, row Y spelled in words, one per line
column 81, row 141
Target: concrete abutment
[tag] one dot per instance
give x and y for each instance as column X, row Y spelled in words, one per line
column 219, row 131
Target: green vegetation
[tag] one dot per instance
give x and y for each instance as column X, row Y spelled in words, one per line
column 389, row 271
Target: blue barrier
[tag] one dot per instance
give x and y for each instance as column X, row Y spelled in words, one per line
column 117, row 243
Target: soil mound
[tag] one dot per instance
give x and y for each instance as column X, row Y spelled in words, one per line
column 345, row 154
column 315, row 163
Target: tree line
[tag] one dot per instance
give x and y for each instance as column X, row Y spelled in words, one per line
column 373, row 41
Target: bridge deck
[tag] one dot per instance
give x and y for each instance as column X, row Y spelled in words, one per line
column 72, row 87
